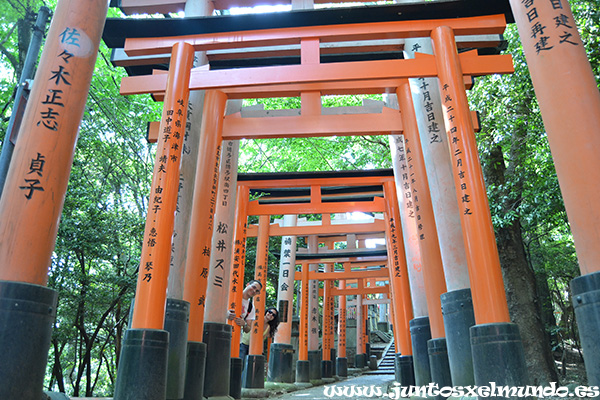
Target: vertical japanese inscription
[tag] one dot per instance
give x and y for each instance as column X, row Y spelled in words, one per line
column 305, row 314
column 433, row 126
column 410, row 189
column 561, row 30
column 394, row 246
column 239, row 257
column 52, row 105
column 456, row 152
column 168, row 159
column 342, row 320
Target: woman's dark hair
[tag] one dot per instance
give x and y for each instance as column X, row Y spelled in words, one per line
column 274, row 323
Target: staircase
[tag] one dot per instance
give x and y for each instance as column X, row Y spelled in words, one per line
column 385, row 366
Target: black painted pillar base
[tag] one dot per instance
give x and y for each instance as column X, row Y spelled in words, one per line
column 342, row 367
column 194, row 374
column 403, row 370
column 235, row 378
column 142, row 372
column 302, row 371
column 253, row 376
column 368, row 350
column 332, row 357
column 360, row 360
column 438, row 362
column 176, row 323
column 586, row 301
column 457, row 308
column 281, row 359
column 217, row 337
column 27, row 314
column 498, row 355
column 314, row 362
column 420, row 333
column 373, row 362
column 327, row 369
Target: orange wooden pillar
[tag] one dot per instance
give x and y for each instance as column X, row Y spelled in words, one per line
column 156, row 251
column 456, row 302
column 569, row 101
column 341, row 361
column 360, row 356
column 489, row 299
column 199, row 241
column 254, row 376
column 327, row 363
column 302, row 366
column 395, row 323
column 570, row 105
column 431, row 257
column 406, row 204
column 314, row 342
column 433, row 271
column 420, row 330
column 366, row 326
column 207, row 174
column 238, row 266
column 138, row 355
column 400, row 288
column 177, row 310
column 236, row 287
column 34, row 193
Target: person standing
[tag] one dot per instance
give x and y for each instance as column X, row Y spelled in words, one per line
column 247, row 315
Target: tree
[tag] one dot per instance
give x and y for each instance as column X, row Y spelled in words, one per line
column 94, row 267
column 527, row 208
column 17, row 19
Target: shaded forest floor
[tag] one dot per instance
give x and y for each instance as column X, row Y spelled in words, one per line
column 570, row 367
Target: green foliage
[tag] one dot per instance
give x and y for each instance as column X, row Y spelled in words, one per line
column 522, row 183
column 17, row 18
column 98, row 248
column 315, row 153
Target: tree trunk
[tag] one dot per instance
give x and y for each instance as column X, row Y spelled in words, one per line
column 57, row 368
column 519, row 278
column 24, row 37
column 524, row 304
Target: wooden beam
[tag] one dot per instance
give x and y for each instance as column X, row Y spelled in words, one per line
column 334, row 229
column 377, row 205
column 323, row 276
column 483, row 25
column 130, row 7
column 319, row 77
column 235, row 127
column 365, row 290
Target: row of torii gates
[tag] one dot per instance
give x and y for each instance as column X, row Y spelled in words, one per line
column 455, row 251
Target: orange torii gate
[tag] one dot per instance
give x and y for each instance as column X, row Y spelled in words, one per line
column 319, row 193
column 356, row 270
column 310, row 80
column 330, row 230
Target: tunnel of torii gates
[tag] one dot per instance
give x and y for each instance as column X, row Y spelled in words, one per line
column 438, row 284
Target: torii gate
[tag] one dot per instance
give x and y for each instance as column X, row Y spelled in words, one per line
column 318, row 193
column 310, row 80
column 331, row 230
